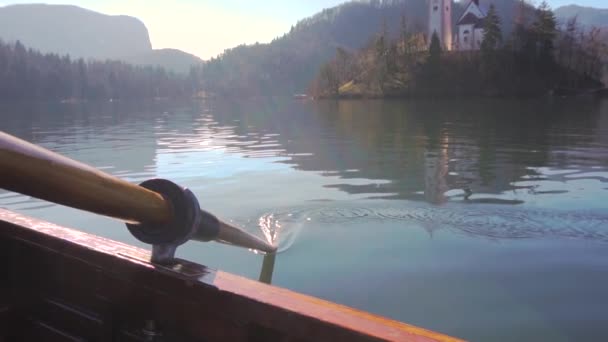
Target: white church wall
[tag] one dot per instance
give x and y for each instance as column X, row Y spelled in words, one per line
column 479, row 35
column 466, row 37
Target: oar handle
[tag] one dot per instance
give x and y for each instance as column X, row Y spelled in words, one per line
column 158, row 211
column 38, row 172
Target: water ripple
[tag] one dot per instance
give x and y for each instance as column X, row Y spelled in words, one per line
column 482, row 222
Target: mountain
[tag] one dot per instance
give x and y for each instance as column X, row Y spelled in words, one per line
column 170, row 59
column 81, row 33
column 73, row 30
column 288, row 64
column 587, row 16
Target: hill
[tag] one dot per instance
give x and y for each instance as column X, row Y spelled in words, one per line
column 287, row 65
column 170, row 59
column 587, row 16
column 81, row 33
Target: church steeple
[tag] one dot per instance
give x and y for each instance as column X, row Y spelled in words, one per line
column 440, row 22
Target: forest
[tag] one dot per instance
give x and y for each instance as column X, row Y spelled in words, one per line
column 27, row 74
column 536, row 57
column 527, row 52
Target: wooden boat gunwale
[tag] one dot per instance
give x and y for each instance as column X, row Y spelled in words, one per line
column 213, row 303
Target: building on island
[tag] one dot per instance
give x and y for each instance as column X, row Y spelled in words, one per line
column 440, row 22
column 469, row 31
column 469, row 28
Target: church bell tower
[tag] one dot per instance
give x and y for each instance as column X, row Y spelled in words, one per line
column 440, row 21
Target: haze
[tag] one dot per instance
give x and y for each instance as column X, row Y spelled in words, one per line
column 207, row 27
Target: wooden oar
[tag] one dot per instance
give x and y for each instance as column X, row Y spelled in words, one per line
column 267, row 268
column 40, row 173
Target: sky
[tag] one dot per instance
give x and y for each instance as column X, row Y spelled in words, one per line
column 207, row 27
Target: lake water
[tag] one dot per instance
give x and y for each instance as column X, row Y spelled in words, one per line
column 368, row 200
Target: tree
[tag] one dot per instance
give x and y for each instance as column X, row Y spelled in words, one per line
column 434, row 50
column 330, row 79
column 28, row 74
column 81, row 84
column 492, row 38
column 595, row 47
column 545, row 30
column 391, row 58
column 523, row 41
column 20, row 67
column 432, row 68
column 342, row 59
column 381, row 42
column 568, row 42
column 404, row 34
column 382, row 62
column 493, row 33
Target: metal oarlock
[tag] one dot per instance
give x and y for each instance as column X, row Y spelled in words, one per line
column 189, row 222
column 165, row 238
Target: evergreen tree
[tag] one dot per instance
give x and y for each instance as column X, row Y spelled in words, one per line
column 545, row 30
column 432, row 69
column 404, row 33
column 382, row 62
column 391, row 59
column 434, row 50
column 29, row 74
column 493, row 32
column 492, row 38
column 381, row 42
column 80, row 89
column 568, row 43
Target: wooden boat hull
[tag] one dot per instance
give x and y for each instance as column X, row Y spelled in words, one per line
column 64, row 285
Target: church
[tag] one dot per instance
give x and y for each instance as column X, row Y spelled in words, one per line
column 468, row 32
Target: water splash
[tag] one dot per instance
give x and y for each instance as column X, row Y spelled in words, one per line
column 280, row 230
column 493, row 222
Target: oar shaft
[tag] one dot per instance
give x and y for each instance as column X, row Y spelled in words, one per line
column 40, row 173
column 267, row 268
column 236, row 236
column 37, row 172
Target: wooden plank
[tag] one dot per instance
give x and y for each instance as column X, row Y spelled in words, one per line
column 115, row 284
column 5, row 313
column 41, row 331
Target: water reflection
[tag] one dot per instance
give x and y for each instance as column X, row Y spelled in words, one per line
column 102, row 134
column 492, row 152
column 427, row 150
column 435, row 172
